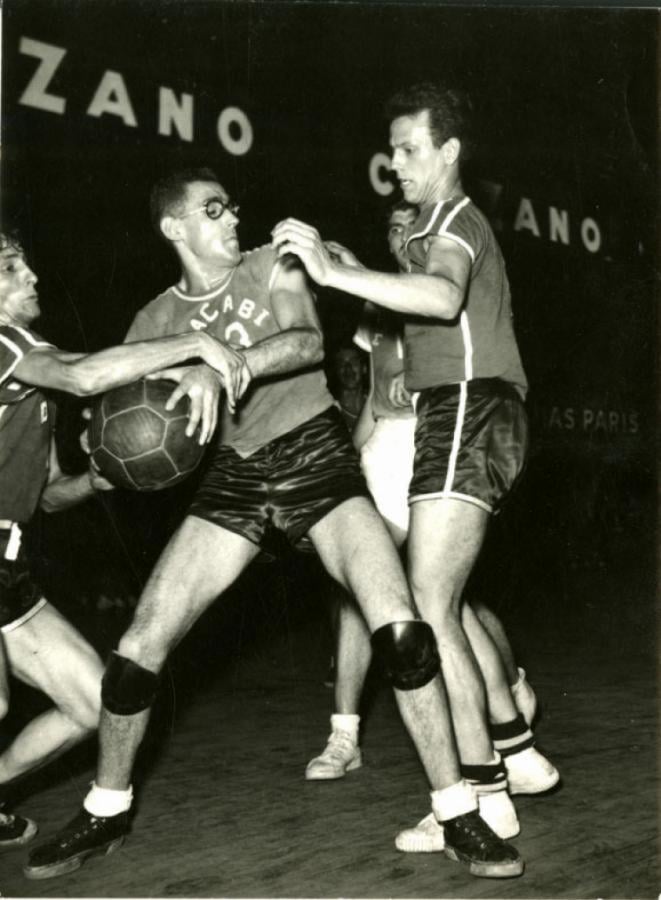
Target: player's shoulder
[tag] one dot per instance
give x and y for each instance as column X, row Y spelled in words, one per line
column 446, row 215
column 458, row 219
column 18, row 340
column 264, row 266
column 158, row 306
column 259, row 262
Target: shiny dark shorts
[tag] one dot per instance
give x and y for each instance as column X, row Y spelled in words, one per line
column 471, row 442
column 289, row 484
column 19, row 595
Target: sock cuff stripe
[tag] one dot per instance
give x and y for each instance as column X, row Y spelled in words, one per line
column 506, row 730
column 517, row 746
column 484, row 774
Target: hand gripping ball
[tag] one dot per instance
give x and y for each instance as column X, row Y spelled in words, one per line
column 136, row 443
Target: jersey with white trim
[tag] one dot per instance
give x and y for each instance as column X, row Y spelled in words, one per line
column 480, row 341
column 240, row 312
column 380, row 333
column 25, row 429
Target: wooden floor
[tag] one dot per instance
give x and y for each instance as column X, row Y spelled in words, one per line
column 224, row 809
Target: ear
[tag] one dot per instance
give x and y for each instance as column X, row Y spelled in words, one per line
column 171, row 227
column 451, row 150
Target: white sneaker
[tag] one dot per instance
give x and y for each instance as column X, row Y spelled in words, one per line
column 495, row 808
column 425, row 837
column 524, row 697
column 528, row 772
column 341, row 755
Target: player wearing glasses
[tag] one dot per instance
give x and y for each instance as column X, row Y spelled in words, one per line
column 38, row 645
column 285, row 459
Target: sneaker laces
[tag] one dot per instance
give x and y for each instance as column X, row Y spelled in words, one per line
column 474, row 826
column 340, row 746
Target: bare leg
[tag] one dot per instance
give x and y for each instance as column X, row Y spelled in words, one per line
column 494, row 626
column 500, row 704
column 355, row 547
column 354, row 651
column 353, row 657
column 199, row 563
column 444, row 541
column 48, row 653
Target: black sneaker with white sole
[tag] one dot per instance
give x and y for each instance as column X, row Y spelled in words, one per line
column 15, row 831
column 469, row 840
column 86, row 835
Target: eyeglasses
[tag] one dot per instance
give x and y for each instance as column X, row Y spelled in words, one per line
column 214, row 208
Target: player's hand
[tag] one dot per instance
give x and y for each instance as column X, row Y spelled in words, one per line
column 397, row 393
column 98, row 482
column 293, row 236
column 202, row 386
column 230, row 365
column 343, row 254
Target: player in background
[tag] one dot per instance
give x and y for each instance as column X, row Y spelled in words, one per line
column 385, row 435
column 285, row 459
column 37, row 644
column 348, row 382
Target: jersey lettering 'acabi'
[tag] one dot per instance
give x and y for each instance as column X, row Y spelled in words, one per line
column 239, row 312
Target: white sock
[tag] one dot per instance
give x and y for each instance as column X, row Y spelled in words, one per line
column 454, row 801
column 346, row 722
column 104, row 802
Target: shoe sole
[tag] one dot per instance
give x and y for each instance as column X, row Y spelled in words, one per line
column 510, row 869
column 523, row 790
column 36, row 873
column 27, row 836
column 355, row 764
column 421, row 846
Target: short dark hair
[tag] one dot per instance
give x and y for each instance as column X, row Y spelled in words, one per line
column 10, row 240
column 450, row 112
column 402, row 206
column 169, row 192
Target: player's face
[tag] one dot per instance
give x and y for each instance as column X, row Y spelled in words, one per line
column 348, row 368
column 19, row 303
column 421, row 167
column 400, row 225
column 210, row 239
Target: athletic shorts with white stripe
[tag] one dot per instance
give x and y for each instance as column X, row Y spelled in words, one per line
column 471, row 442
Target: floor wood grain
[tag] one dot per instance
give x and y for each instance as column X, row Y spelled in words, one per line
column 224, row 810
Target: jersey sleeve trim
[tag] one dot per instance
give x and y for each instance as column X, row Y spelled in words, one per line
column 441, row 225
column 444, row 230
column 17, row 350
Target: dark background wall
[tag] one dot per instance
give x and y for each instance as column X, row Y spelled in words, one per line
column 567, row 116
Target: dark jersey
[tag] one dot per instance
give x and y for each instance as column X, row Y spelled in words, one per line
column 480, row 341
column 25, row 429
column 240, row 313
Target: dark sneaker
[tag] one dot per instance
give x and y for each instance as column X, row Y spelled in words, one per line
column 468, row 839
column 15, row 831
column 84, row 836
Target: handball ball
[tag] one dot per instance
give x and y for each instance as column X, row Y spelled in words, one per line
column 136, row 443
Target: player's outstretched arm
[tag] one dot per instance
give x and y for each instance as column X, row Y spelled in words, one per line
column 438, row 293
column 299, row 343
column 87, row 374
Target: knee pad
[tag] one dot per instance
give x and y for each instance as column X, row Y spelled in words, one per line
column 127, row 688
column 408, row 653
